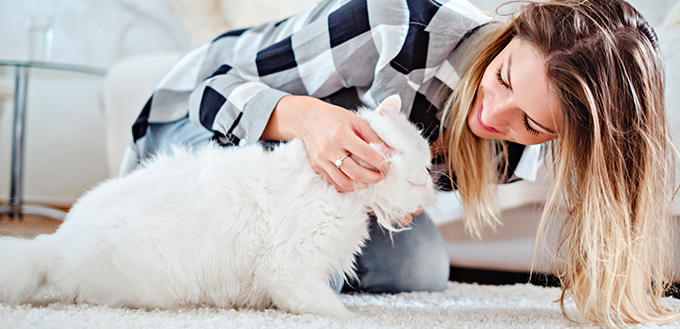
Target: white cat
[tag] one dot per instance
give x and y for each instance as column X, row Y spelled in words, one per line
column 224, row 227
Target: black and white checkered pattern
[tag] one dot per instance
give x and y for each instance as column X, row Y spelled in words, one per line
column 368, row 48
column 376, row 47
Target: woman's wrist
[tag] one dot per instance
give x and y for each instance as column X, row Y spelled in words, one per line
column 287, row 118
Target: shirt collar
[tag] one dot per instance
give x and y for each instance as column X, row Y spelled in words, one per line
column 529, row 163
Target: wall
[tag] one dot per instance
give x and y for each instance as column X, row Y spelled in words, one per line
column 65, row 140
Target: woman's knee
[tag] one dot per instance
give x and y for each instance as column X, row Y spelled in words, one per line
column 426, row 268
column 412, row 260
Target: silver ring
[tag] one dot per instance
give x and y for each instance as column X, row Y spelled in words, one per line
column 338, row 162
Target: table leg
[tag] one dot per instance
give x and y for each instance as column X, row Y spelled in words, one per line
column 16, row 208
column 16, row 184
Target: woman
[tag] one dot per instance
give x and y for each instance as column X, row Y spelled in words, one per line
column 583, row 74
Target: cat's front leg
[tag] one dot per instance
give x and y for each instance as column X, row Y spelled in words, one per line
column 300, row 297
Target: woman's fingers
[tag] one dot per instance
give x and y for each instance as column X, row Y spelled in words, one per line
column 408, row 219
column 348, row 174
column 359, row 173
column 360, row 148
column 330, row 133
column 341, row 180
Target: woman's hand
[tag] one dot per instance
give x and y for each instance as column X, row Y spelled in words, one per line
column 407, row 220
column 330, row 133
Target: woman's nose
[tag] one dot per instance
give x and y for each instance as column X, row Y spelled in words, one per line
column 498, row 115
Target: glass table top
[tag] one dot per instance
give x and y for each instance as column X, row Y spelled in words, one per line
column 55, row 66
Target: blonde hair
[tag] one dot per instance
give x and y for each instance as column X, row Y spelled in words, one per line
column 612, row 164
column 469, row 156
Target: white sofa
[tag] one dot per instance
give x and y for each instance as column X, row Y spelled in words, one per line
column 510, row 248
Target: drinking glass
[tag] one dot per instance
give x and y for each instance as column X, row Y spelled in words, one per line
column 40, row 39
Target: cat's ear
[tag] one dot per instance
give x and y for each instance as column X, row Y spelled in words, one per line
column 391, row 105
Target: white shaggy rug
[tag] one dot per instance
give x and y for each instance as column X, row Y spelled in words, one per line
column 460, row 306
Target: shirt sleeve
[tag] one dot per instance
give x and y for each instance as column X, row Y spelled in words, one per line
column 333, row 45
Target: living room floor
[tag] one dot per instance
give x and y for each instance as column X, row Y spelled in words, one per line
column 28, row 226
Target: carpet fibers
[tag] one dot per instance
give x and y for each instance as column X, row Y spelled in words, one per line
column 460, row 306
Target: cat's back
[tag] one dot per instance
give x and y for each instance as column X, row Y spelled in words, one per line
column 252, row 172
column 172, row 180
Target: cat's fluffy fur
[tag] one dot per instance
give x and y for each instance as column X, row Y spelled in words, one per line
column 223, row 227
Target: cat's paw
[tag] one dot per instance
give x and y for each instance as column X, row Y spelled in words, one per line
column 344, row 314
column 321, row 301
column 339, row 312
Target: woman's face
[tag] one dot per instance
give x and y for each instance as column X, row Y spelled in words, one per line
column 514, row 101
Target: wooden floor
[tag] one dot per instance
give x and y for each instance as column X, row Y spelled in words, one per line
column 28, row 226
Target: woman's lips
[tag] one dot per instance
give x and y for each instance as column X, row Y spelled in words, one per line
column 479, row 118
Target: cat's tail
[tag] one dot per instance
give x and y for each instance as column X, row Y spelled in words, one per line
column 23, row 267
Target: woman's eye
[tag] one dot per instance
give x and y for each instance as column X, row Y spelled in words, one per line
column 528, row 127
column 500, row 78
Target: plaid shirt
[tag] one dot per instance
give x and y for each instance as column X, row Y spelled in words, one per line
column 348, row 52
